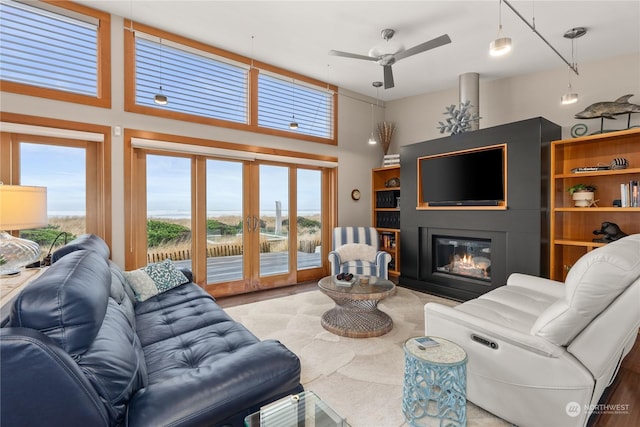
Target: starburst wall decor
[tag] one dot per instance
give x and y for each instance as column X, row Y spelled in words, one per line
column 460, row 120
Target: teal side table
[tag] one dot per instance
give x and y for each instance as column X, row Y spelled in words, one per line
column 435, row 384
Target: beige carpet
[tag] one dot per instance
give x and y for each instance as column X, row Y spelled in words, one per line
column 360, row 378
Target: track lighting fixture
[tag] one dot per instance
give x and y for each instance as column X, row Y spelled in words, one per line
column 571, row 97
column 501, row 45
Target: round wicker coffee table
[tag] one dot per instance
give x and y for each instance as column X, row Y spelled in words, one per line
column 356, row 313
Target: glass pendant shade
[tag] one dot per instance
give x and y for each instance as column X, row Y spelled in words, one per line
column 21, row 208
column 160, row 98
column 500, row 46
column 569, row 98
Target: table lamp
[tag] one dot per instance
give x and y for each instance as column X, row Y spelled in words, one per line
column 21, row 207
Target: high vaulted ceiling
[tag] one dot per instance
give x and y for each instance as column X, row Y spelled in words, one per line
column 297, row 35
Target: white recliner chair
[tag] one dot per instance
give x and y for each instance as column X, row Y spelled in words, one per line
column 541, row 352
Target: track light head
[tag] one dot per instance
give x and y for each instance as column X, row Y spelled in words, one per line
column 500, row 46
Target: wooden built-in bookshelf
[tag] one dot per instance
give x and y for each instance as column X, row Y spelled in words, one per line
column 386, row 213
column 572, row 227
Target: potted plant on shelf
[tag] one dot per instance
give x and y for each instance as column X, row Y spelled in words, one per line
column 583, row 195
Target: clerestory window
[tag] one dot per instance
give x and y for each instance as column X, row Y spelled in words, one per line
column 193, row 82
column 53, row 51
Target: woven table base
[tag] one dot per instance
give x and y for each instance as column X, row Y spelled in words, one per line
column 356, row 319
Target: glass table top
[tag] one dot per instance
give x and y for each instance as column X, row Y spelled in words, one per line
column 305, row 409
column 374, row 285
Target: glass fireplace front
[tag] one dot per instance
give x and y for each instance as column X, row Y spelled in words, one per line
column 463, row 256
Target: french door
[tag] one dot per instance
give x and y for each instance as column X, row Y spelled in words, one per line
column 252, row 225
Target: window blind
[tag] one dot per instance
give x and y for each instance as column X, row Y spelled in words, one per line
column 193, row 83
column 48, row 49
column 279, row 101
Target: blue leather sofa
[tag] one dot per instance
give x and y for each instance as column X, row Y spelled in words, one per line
column 79, row 350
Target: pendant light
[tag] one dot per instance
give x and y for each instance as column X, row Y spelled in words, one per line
column 372, row 138
column 160, row 98
column 571, row 97
column 501, row 45
column 293, row 125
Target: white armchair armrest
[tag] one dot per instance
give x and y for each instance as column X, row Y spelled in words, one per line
column 490, row 330
column 539, row 284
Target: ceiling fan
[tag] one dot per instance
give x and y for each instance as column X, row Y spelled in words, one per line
column 388, row 59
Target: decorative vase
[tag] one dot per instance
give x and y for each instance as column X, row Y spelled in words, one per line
column 583, row 199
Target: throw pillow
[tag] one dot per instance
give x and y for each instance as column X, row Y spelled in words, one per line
column 356, row 251
column 155, row 279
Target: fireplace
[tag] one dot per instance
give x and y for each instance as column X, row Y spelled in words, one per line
column 462, row 263
column 462, row 256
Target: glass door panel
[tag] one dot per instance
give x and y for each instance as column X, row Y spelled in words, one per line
column 309, row 221
column 274, row 220
column 169, row 209
column 62, row 169
column 225, row 234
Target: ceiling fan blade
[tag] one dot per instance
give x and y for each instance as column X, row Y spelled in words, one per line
column 388, row 77
column 431, row 44
column 351, row 55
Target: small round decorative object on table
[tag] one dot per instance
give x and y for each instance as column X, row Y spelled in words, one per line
column 435, row 382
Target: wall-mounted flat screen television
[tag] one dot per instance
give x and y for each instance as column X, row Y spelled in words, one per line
column 464, row 178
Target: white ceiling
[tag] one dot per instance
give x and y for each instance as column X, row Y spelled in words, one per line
column 297, row 35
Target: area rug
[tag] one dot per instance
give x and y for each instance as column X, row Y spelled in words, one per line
column 360, row 378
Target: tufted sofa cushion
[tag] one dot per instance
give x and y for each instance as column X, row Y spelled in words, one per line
column 591, row 285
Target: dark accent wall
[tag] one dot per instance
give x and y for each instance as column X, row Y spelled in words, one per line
column 520, row 233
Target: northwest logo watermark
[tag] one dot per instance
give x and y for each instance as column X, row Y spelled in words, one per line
column 573, row 409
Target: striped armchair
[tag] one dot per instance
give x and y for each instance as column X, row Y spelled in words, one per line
column 355, row 250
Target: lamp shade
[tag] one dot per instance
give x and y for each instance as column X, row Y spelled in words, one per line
column 22, row 207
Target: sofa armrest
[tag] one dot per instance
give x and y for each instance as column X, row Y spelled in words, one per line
column 540, row 284
column 383, row 258
column 334, row 261
column 490, row 330
column 213, row 393
column 42, row 385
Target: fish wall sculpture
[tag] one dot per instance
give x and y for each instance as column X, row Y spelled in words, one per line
column 609, row 109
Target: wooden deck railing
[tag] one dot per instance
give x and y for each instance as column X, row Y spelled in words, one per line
column 221, row 250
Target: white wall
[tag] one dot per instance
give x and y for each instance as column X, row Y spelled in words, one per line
column 523, row 97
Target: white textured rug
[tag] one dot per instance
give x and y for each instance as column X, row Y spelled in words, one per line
column 361, row 378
